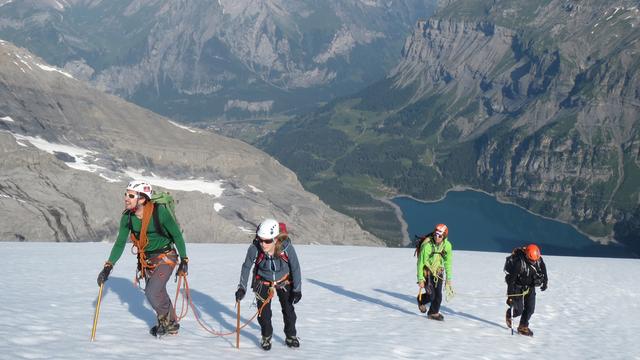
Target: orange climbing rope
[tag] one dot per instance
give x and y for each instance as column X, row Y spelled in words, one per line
column 187, row 303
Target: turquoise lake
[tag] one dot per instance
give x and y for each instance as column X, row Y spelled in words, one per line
column 479, row 222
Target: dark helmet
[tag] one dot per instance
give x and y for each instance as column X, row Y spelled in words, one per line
column 533, row 252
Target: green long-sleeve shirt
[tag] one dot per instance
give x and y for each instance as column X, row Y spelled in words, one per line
column 156, row 240
column 436, row 261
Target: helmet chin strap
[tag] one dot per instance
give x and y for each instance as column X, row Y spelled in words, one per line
column 138, row 206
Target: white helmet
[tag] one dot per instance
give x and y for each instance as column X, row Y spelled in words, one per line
column 268, row 229
column 140, row 187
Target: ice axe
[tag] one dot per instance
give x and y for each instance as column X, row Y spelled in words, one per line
column 238, row 326
column 511, row 317
column 95, row 316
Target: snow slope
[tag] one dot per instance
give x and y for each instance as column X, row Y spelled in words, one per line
column 358, row 303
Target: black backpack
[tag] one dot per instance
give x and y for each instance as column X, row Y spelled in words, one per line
column 420, row 239
column 527, row 275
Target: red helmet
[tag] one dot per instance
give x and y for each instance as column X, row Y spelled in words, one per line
column 533, row 252
column 442, row 229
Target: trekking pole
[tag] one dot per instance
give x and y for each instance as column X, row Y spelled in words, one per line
column 238, row 326
column 95, row 316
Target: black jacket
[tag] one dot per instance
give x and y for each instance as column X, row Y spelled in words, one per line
column 521, row 273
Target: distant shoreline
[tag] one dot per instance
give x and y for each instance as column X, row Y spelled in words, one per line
column 458, row 188
column 406, row 240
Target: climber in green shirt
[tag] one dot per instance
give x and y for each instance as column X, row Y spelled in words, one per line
column 155, row 236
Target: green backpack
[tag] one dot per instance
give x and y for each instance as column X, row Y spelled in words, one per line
column 164, row 198
column 160, row 198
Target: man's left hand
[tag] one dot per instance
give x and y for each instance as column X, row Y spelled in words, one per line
column 296, row 296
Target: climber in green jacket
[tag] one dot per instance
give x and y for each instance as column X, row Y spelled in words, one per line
column 434, row 268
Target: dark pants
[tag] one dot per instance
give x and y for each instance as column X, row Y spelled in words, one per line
column 288, row 311
column 433, row 295
column 156, row 284
column 525, row 306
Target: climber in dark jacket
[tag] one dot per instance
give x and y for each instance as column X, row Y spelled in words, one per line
column 525, row 270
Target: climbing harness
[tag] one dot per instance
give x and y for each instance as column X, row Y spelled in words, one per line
column 149, row 260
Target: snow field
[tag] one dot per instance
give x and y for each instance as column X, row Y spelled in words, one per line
column 358, row 303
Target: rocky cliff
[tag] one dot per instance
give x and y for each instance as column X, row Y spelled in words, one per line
column 547, row 94
column 68, row 150
column 534, row 101
column 226, row 59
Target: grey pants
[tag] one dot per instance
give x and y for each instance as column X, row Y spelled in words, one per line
column 156, row 284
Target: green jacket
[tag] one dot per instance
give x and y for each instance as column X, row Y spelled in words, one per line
column 156, row 241
column 435, row 257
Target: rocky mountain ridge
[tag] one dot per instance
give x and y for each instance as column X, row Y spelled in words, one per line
column 226, row 59
column 67, row 152
column 533, row 101
column 560, row 84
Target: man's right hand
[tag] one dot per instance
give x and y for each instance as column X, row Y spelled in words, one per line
column 104, row 274
column 183, row 268
column 240, row 294
column 421, row 284
column 509, row 301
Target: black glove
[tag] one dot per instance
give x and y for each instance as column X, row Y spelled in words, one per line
column 183, row 268
column 296, row 296
column 543, row 287
column 240, row 294
column 104, row 274
column 509, row 301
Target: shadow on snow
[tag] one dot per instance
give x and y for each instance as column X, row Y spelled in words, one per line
column 134, row 298
column 360, row 297
column 412, row 300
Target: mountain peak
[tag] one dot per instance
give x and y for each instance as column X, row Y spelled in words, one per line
column 82, row 147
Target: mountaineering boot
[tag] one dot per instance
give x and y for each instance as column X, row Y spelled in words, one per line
column 154, row 330
column 172, row 327
column 292, row 342
column 524, row 330
column 165, row 326
column 266, row 343
column 436, row 316
column 158, row 329
column 508, row 318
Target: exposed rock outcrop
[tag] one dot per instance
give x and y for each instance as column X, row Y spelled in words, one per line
column 67, row 151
